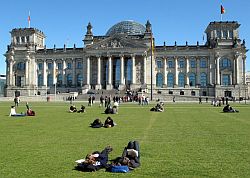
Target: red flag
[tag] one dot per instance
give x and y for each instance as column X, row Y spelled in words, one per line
column 222, row 10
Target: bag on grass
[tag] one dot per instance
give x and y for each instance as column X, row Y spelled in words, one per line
column 120, row 169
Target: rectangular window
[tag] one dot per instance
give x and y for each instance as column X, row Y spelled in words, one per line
column 27, row 39
column 40, row 66
column 225, row 80
column 79, row 65
column 181, row 64
column 50, row 66
column 69, row 65
column 192, row 63
column 23, row 39
column 203, row 63
column 225, row 35
column 170, row 64
column 17, row 40
column 59, row 65
column 231, row 34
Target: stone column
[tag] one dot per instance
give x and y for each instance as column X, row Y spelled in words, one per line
column 98, row 85
column 145, row 69
column 88, row 72
column 165, row 72
column 217, row 70
column 73, row 72
column 27, row 70
column 109, row 85
column 10, row 74
column 198, row 75
column 54, row 72
column 176, row 71
column 44, row 73
column 187, row 72
column 133, row 70
column 64, row 73
column 209, row 72
column 122, row 78
column 244, row 69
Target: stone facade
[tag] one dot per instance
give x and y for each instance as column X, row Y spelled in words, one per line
column 126, row 57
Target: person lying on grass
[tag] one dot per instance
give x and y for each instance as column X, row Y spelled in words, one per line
column 13, row 112
column 72, row 108
column 228, row 108
column 97, row 123
column 82, row 109
column 130, row 156
column 94, row 161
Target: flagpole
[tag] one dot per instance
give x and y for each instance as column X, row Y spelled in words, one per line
column 29, row 19
column 151, row 53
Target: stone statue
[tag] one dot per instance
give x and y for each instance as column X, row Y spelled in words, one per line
column 89, row 29
column 148, row 27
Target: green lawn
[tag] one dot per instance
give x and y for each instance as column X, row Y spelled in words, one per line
column 187, row 140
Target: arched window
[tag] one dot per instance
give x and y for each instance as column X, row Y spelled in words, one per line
column 69, row 79
column 49, row 80
column 225, row 63
column 192, row 79
column 59, row 79
column 170, row 80
column 40, row 80
column 159, row 80
column 181, row 81
column 79, row 80
column 203, row 79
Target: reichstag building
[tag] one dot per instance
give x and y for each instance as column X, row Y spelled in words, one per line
column 126, row 57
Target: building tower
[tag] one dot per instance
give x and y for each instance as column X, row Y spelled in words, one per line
column 20, row 60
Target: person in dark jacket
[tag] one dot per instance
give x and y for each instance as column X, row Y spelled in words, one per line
column 95, row 161
column 96, row 124
column 109, row 122
column 130, row 156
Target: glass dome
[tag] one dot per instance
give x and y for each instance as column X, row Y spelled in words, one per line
column 127, row 27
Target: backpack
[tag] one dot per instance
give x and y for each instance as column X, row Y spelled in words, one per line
column 119, row 169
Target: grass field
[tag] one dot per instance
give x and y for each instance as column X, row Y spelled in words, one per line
column 187, row 140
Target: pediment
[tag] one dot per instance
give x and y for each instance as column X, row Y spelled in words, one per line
column 117, row 42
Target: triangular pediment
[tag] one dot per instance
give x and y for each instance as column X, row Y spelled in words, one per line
column 117, row 42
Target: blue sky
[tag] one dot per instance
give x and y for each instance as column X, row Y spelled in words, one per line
column 66, row 21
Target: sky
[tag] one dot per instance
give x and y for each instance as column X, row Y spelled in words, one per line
column 64, row 22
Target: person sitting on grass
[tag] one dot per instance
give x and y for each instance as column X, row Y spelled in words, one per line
column 228, row 108
column 94, row 161
column 82, row 109
column 72, row 108
column 108, row 110
column 109, row 123
column 130, row 156
column 30, row 112
column 13, row 112
column 96, row 124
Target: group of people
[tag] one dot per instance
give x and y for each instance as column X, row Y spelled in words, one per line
column 129, row 160
column 97, row 123
column 72, row 108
